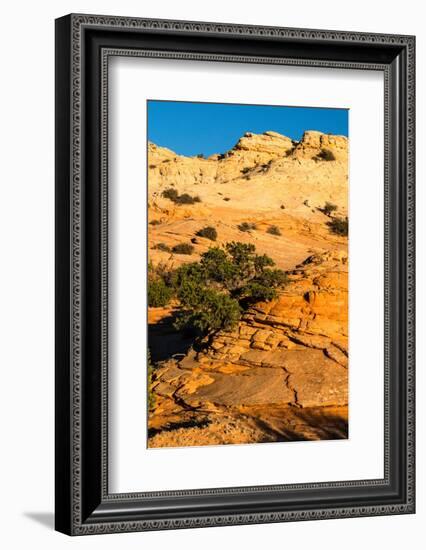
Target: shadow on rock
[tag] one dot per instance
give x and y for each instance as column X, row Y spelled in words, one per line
column 192, row 423
column 165, row 341
column 303, row 425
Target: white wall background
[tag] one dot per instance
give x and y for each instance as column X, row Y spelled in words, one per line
column 26, row 289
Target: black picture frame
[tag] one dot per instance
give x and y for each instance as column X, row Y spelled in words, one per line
column 83, row 45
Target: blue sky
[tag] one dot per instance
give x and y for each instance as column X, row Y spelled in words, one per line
column 193, row 128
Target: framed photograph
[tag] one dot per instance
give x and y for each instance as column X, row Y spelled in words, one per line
column 234, row 274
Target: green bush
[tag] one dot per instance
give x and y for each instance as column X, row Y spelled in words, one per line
column 328, row 208
column 208, row 232
column 256, row 292
column 170, row 194
column 246, row 226
column 213, row 291
column 273, row 230
column 206, row 310
column 242, row 254
column 188, row 272
column 248, row 263
column 174, row 196
column 261, row 263
column 162, row 246
column 200, row 156
column 185, row 198
column 160, row 271
column 272, row 278
column 217, row 267
column 245, row 170
column 326, row 154
column 339, row 226
column 231, row 269
column 159, row 294
column 183, row 248
column 261, row 288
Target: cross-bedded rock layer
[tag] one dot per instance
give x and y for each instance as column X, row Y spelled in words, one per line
column 283, row 373
column 290, row 352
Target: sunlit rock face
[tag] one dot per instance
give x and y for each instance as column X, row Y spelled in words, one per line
column 282, row 374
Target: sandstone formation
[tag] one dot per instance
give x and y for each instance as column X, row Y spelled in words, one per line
column 260, row 173
column 292, row 351
column 282, row 374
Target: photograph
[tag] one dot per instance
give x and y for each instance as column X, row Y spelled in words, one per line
column 247, row 273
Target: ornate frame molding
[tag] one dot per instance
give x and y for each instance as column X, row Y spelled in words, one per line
column 72, row 46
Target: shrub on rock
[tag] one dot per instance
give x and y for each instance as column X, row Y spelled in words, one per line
column 246, row 226
column 274, row 230
column 208, row 232
column 159, row 294
column 163, row 247
column 339, row 226
column 183, row 248
column 328, row 208
column 174, row 196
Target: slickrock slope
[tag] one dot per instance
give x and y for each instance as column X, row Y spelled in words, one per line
column 266, row 180
column 262, row 172
column 283, row 373
column 286, row 364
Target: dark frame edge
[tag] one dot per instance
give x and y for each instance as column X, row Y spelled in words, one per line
column 63, row 493
column 76, row 515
